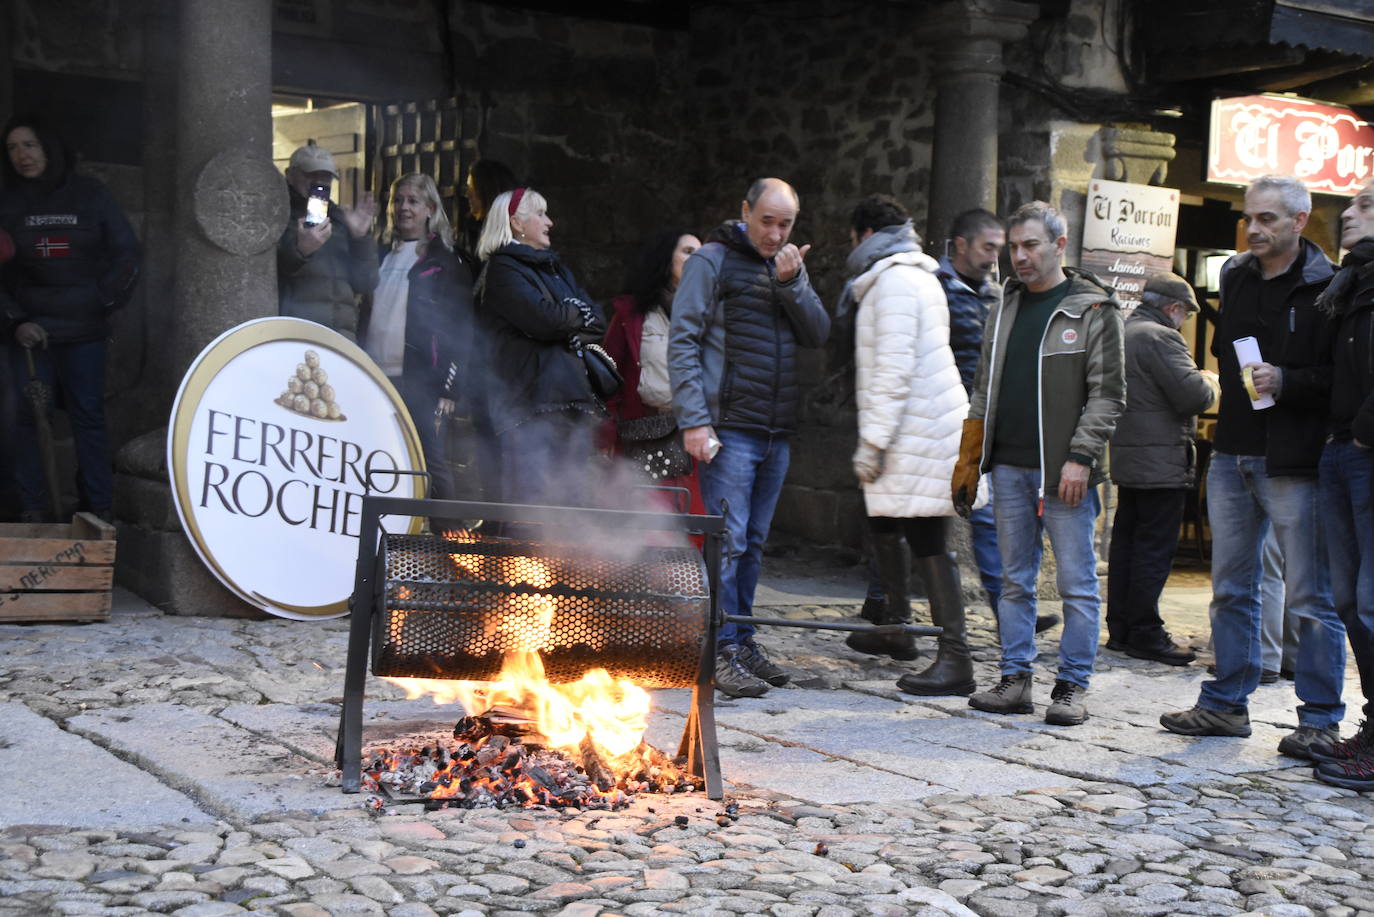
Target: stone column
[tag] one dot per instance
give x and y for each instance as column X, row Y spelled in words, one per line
column 232, row 203
column 228, row 207
column 966, row 39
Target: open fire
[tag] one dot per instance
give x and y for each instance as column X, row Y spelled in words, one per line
column 525, row 740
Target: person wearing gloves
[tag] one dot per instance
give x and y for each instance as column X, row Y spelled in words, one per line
column 1051, row 385
column 911, row 406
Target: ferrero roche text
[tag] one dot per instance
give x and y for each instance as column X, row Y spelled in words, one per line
column 244, row 463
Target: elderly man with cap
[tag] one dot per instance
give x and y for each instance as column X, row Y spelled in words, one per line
column 322, row 269
column 1152, row 464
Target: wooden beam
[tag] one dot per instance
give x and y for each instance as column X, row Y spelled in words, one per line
column 1196, row 65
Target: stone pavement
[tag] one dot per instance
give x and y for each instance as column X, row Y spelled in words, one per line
column 175, row 765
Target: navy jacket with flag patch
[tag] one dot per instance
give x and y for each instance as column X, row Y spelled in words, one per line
column 76, row 259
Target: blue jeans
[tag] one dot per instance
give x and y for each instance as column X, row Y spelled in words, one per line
column 1243, row 501
column 1346, row 485
column 747, row 473
column 1020, row 537
column 75, row 375
column 985, row 553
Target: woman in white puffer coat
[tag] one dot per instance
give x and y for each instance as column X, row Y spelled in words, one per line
column 911, row 409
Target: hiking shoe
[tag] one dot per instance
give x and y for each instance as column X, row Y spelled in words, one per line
column 1298, row 743
column 1357, row 746
column 1010, row 695
column 1067, row 704
column 733, row 679
column 1356, row 774
column 1199, row 721
column 1045, row 622
column 752, row 658
column 1163, row 650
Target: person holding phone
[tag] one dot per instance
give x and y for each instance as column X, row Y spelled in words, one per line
column 326, row 258
column 742, row 312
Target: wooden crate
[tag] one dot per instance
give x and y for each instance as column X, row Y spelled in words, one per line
column 56, row 572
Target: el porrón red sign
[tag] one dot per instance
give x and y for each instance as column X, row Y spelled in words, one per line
column 1326, row 146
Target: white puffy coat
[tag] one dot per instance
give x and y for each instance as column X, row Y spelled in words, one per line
column 910, row 398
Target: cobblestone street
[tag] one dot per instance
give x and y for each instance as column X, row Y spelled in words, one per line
column 172, row 765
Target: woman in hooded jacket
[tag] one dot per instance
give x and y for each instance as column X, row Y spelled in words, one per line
column 537, row 318
column 911, row 407
column 76, row 261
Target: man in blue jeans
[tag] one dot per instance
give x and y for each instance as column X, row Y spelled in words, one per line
column 742, row 310
column 1263, row 472
column 1050, row 387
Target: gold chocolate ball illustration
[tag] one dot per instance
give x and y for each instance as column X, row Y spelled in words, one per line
column 320, row 376
column 327, row 392
column 334, row 412
column 312, row 391
column 303, row 372
column 312, row 359
column 319, row 408
column 294, row 385
column 301, row 403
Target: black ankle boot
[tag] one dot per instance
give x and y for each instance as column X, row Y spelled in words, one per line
column 952, row 671
column 893, row 559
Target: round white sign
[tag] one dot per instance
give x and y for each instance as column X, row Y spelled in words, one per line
column 273, row 433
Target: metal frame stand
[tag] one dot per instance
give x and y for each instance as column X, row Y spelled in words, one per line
column 699, row 737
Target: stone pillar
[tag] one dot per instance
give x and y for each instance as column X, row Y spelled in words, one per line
column 232, row 203
column 966, row 39
column 228, row 207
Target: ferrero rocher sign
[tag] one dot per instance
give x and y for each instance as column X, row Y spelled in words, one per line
column 274, row 431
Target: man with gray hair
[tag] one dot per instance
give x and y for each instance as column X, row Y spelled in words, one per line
column 1049, row 389
column 1271, row 427
column 1153, row 464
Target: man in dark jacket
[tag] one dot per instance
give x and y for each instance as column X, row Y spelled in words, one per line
column 323, row 269
column 1263, row 471
column 1346, row 482
column 1153, row 466
column 742, row 310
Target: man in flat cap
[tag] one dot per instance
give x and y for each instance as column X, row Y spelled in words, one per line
column 1153, row 464
column 322, row 269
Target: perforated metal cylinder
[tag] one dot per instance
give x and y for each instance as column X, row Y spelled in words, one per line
column 449, row 609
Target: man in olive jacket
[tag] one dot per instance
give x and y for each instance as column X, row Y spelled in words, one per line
column 1050, row 387
column 1153, row 466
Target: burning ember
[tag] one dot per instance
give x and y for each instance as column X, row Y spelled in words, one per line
column 534, row 743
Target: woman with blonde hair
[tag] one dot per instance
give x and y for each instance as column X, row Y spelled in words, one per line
column 539, row 318
column 419, row 328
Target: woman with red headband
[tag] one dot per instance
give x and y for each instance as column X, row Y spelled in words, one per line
column 542, row 404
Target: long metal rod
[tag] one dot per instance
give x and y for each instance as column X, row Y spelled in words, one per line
column 919, row 630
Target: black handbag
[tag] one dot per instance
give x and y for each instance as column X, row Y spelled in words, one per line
column 602, row 373
column 653, row 444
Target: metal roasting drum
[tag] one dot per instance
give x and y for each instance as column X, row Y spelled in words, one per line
column 453, row 609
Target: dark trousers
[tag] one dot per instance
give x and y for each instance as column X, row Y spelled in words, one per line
column 1144, row 539
column 421, row 401
column 75, row 375
column 924, row 534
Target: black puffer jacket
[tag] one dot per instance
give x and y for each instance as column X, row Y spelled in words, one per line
column 530, row 368
column 76, row 258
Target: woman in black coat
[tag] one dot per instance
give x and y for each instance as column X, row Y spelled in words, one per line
column 419, row 327
column 542, row 405
column 76, row 260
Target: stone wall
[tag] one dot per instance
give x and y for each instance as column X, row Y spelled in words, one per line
column 836, row 98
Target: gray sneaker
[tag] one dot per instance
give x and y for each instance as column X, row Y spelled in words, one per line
column 1010, row 695
column 1067, row 705
column 1298, row 743
column 753, row 658
column 1199, row 721
column 733, row 679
